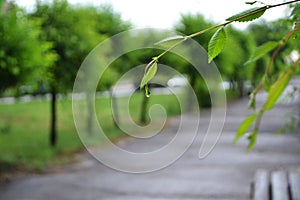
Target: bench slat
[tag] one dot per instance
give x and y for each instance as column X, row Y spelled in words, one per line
column 279, row 184
column 294, row 179
column 261, row 185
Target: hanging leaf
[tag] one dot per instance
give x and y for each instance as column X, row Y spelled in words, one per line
column 170, row 41
column 266, row 83
column 244, row 126
column 262, row 51
column 276, row 90
column 248, row 15
column 150, row 73
column 216, row 44
column 252, row 140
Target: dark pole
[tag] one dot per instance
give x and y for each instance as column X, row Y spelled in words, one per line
column 53, row 130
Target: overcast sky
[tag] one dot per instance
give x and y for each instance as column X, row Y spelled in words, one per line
column 165, row 13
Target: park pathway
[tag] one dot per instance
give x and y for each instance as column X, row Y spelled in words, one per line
column 226, row 174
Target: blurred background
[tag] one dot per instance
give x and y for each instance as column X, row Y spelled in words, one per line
column 43, row 43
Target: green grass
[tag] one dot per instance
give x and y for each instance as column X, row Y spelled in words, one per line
column 24, row 130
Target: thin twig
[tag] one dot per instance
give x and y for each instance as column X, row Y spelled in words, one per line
column 282, row 4
column 267, row 71
column 220, row 25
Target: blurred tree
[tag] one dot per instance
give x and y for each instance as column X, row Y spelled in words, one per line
column 191, row 23
column 22, row 52
column 109, row 21
column 74, row 32
column 73, row 35
column 239, row 45
column 188, row 24
column 136, row 58
column 263, row 32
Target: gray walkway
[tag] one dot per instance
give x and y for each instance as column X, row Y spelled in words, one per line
column 225, row 174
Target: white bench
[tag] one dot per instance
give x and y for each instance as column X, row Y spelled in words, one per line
column 276, row 185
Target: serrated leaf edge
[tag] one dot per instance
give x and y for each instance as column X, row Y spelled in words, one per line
column 240, row 17
column 215, row 42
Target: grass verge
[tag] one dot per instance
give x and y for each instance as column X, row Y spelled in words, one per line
column 24, row 130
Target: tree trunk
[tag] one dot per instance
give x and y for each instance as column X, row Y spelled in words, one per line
column 53, row 128
column 191, row 94
column 114, row 107
column 240, row 85
column 90, row 113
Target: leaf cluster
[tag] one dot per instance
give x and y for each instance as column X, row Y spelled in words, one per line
column 216, row 45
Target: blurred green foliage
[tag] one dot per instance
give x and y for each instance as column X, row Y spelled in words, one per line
column 22, row 53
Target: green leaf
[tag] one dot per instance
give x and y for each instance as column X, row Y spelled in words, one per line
column 248, row 15
column 252, row 140
column 296, row 34
column 266, row 83
column 216, row 44
column 244, row 126
column 276, row 90
column 150, row 73
column 262, row 51
column 170, row 41
column 295, row 14
column 252, row 102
